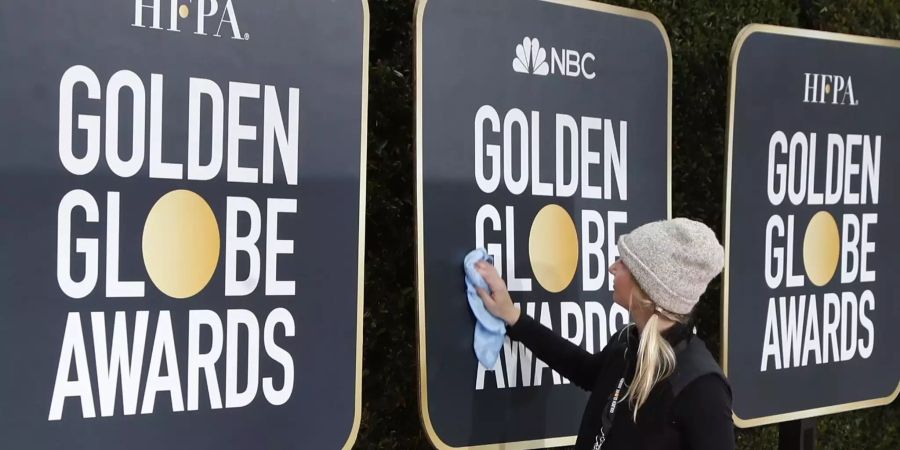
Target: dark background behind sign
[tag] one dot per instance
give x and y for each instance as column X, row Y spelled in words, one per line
column 315, row 46
column 467, row 54
column 769, row 96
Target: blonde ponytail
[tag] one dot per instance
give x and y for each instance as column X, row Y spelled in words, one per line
column 655, row 362
column 655, row 356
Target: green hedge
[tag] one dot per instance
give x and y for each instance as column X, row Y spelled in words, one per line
column 701, row 33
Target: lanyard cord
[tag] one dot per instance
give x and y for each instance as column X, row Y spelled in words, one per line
column 609, row 412
column 607, row 420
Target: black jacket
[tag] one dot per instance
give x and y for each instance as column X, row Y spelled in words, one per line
column 689, row 410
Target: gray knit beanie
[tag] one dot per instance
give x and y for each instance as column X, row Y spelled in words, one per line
column 672, row 261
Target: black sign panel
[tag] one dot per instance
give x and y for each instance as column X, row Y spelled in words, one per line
column 811, row 293
column 181, row 223
column 543, row 135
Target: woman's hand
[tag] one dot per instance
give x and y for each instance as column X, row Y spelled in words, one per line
column 499, row 303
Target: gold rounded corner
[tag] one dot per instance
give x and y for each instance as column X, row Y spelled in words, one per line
column 741, row 37
column 430, row 432
column 650, row 17
column 419, row 12
column 738, row 422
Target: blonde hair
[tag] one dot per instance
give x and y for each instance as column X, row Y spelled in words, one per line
column 655, row 356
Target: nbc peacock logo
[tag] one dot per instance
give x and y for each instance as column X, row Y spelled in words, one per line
column 531, row 58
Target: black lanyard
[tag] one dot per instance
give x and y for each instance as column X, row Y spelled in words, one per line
column 609, row 413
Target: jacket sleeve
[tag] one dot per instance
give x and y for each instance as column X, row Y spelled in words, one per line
column 570, row 360
column 703, row 411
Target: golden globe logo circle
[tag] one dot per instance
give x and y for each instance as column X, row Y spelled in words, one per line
column 553, row 248
column 821, row 248
column 180, row 244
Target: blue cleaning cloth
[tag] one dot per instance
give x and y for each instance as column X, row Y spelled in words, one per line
column 489, row 330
